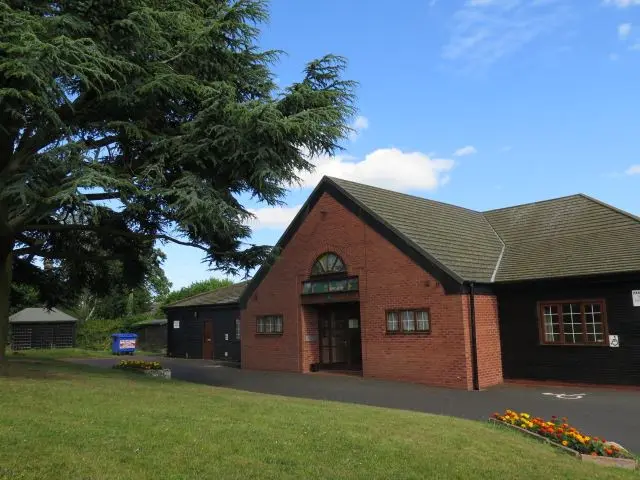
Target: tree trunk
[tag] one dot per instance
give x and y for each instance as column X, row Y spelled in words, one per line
column 6, row 246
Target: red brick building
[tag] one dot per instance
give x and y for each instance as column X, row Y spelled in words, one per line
column 400, row 287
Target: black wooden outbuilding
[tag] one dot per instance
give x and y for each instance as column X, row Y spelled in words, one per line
column 152, row 334
column 41, row 328
column 206, row 326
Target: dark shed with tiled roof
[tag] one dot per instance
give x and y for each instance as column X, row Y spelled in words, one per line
column 41, row 328
column 152, row 334
column 206, row 325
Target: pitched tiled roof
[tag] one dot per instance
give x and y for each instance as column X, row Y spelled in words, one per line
column 459, row 239
column 220, row 296
column 41, row 315
column 150, row 323
column 565, row 237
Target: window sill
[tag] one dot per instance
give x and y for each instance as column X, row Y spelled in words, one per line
column 599, row 345
column 268, row 334
column 408, row 334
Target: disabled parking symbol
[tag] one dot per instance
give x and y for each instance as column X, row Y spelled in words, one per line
column 567, row 396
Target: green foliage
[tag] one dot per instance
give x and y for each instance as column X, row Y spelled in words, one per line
column 131, row 122
column 195, row 289
column 22, row 296
column 96, row 334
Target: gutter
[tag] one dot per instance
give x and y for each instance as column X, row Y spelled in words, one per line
column 474, row 343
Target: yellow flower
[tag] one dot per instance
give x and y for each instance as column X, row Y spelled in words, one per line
column 565, row 443
column 525, row 415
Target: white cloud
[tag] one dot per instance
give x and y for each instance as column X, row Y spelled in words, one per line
column 464, row 151
column 621, row 3
column 386, row 167
column 272, row 217
column 360, row 124
column 635, row 46
column 506, row 148
column 481, row 37
column 624, row 30
column 633, row 170
column 614, row 57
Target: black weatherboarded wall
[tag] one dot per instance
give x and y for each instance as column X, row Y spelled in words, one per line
column 525, row 358
column 187, row 340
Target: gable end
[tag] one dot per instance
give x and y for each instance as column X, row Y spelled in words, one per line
column 450, row 281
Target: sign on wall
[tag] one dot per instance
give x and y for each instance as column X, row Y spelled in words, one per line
column 176, row 324
column 635, row 294
column 614, row 341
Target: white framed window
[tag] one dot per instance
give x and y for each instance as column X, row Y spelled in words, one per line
column 269, row 325
column 392, row 322
column 408, row 321
column 576, row 322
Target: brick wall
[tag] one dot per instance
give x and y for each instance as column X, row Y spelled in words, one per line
column 487, row 338
column 388, row 280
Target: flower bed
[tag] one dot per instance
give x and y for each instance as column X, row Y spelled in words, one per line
column 138, row 365
column 558, row 432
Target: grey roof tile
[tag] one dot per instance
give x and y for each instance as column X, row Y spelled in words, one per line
column 458, row 238
column 41, row 315
column 565, row 237
column 220, row 296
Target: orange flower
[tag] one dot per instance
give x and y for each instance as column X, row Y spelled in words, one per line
column 594, row 454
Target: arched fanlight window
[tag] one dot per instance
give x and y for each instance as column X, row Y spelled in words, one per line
column 328, row 263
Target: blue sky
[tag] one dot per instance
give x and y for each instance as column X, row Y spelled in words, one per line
column 479, row 103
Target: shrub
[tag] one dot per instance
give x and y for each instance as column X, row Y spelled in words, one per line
column 96, row 334
column 137, row 365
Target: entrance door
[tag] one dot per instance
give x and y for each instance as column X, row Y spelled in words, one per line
column 207, row 340
column 340, row 343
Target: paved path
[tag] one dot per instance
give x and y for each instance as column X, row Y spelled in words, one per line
column 612, row 414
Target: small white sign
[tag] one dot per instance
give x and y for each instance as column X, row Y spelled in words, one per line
column 635, row 294
column 176, row 324
column 614, row 341
column 226, row 336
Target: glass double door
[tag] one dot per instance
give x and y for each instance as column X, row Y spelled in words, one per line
column 340, row 342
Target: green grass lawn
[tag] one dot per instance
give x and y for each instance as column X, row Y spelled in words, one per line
column 61, row 353
column 67, row 421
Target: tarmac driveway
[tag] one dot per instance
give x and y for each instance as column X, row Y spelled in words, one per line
column 612, row 414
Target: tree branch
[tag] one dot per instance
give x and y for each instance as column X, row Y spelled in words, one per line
column 75, row 256
column 57, row 227
column 102, row 196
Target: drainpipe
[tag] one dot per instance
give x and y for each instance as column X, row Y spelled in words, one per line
column 474, row 344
